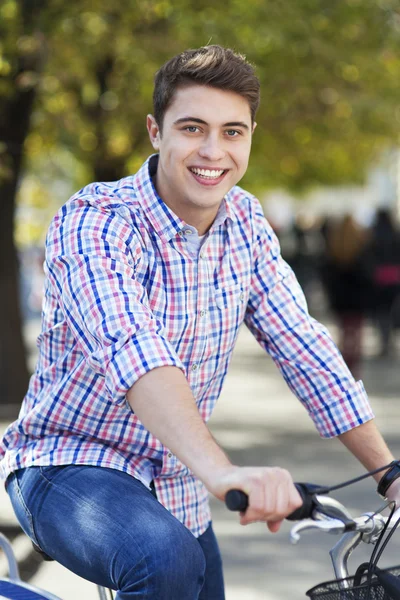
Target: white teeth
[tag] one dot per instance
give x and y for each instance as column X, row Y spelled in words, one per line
column 212, row 174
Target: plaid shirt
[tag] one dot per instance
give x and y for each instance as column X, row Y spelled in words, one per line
column 127, row 291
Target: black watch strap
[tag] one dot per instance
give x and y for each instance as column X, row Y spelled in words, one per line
column 391, row 475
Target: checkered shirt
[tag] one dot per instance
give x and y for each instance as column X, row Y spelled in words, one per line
column 124, row 294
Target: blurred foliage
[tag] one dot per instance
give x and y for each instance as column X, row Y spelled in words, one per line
column 329, row 69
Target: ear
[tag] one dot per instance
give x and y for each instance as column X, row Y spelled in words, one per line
column 154, row 132
column 254, row 126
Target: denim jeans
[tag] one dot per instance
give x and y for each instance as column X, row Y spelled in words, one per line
column 107, row 527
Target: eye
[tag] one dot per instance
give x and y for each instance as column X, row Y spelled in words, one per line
column 232, row 132
column 191, row 129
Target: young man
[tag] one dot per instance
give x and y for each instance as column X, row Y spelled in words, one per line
column 148, row 279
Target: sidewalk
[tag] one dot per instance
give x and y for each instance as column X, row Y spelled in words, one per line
column 259, row 422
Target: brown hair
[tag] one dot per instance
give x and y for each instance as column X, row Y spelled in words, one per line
column 346, row 241
column 214, row 66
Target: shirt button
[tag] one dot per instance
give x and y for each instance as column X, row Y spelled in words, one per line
column 202, row 255
column 194, row 366
column 169, row 454
column 241, row 296
column 203, row 313
column 188, row 231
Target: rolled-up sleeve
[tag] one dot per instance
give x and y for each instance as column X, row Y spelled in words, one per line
column 300, row 346
column 92, row 259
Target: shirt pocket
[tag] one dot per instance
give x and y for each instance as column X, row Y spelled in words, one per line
column 230, row 296
column 230, row 309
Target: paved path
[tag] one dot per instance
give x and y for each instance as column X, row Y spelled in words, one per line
column 258, row 421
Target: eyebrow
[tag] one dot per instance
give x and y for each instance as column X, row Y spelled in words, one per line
column 196, row 120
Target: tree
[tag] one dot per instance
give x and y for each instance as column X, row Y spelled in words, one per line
column 17, row 94
column 329, row 71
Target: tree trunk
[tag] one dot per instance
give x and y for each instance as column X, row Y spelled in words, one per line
column 13, row 369
column 15, row 112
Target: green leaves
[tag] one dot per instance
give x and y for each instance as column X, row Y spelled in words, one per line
column 329, row 72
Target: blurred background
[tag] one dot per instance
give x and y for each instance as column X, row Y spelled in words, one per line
column 76, row 82
column 75, row 86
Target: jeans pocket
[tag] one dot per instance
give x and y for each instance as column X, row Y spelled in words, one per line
column 50, row 472
column 19, row 505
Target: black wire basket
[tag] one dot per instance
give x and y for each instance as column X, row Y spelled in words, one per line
column 359, row 590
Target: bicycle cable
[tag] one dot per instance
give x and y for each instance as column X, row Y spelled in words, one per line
column 367, row 569
column 382, row 540
column 327, row 489
column 380, row 545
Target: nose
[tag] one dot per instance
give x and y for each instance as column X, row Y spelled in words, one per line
column 212, row 148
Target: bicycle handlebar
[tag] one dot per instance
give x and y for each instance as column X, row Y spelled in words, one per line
column 238, row 501
column 320, row 512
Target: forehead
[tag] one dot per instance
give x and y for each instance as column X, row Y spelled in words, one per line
column 212, row 105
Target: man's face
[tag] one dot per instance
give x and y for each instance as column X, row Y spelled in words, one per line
column 204, row 150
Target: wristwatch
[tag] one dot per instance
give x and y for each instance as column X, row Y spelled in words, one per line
column 387, row 479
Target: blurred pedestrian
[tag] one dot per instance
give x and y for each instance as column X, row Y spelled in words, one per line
column 385, row 252
column 348, row 283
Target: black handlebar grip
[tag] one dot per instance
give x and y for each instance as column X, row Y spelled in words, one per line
column 238, row 501
column 305, row 510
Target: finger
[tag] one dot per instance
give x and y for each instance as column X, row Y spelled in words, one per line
column 282, row 499
column 274, row 526
column 256, row 507
column 296, row 499
column 286, row 497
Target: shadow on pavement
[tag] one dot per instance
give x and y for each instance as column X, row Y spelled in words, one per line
column 259, row 422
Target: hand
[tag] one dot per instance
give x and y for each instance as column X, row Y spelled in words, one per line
column 271, row 491
column 393, row 492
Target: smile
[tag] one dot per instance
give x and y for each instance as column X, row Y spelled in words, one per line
column 208, row 173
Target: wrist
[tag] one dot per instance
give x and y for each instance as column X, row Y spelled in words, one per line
column 220, row 479
column 388, row 478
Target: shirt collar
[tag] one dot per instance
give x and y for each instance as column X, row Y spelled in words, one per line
column 164, row 221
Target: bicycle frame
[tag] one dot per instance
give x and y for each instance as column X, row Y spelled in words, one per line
column 104, row 593
column 342, row 550
column 14, row 575
column 367, row 528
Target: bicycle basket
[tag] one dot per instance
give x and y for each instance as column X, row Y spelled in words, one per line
column 333, row 590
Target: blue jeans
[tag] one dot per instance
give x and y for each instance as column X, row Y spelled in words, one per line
column 107, row 527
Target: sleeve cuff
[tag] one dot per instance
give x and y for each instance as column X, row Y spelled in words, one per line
column 339, row 415
column 139, row 355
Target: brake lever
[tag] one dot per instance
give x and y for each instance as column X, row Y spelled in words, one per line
column 329, row 526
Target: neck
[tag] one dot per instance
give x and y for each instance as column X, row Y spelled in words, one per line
column 198, row 217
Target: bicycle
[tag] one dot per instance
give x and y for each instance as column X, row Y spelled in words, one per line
column 319, row 512
column 14, row 588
